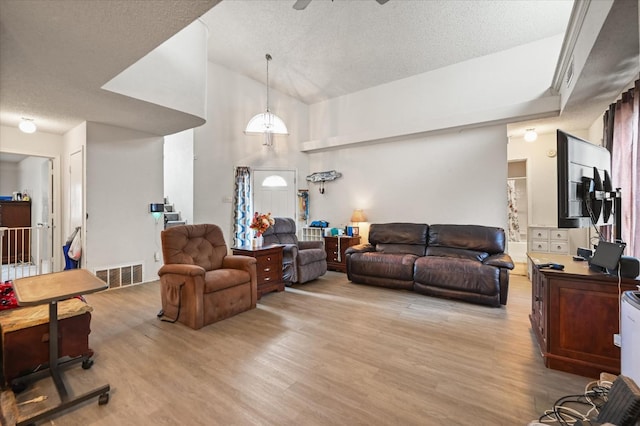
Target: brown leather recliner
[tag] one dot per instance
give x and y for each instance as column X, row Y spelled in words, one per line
column 200, row 283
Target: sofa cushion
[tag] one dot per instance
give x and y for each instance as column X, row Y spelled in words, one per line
column 458, row 274
column 457, row 253
column 408, row 238
column 308, row 256
column 470, row 237
column 418, row 250
column 219, row 279
column 397, row 266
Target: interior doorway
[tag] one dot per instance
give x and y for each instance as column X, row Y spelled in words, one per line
column 517, row 210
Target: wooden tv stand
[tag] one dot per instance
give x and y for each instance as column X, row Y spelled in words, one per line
column 574, row 315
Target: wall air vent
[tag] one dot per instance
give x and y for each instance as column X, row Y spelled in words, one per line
column 120, row 276
column 569, row 75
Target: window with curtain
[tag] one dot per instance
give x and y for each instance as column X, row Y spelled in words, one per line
column 621, row 132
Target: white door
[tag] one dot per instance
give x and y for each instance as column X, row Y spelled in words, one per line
column 76, row 172
column 274, row 191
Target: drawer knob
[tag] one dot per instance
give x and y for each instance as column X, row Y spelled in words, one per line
column 267, row 269
column 268, row 258
column 267, row 279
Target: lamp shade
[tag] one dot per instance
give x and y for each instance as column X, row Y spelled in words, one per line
column 266, row 122
column 357, row 216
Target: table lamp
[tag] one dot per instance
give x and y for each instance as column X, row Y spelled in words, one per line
column 356, row 217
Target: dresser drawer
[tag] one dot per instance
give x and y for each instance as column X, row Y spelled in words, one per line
column 539, row 234
column 559, row 247
column 270, row 275
column 559, row 234
column 539, row 245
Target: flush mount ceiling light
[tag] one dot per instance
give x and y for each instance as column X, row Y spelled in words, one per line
column 266, row 123
column 27, row 125
column 530, row 135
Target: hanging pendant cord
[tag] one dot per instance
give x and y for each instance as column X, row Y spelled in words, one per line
column 268, row 59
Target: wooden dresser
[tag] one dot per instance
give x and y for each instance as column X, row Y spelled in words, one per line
column 268, row 266
column 16, row 243
column 574, row 315
column 335, row 248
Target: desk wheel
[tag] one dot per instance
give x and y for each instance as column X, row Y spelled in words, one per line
column 87, row 364
column 103, row 399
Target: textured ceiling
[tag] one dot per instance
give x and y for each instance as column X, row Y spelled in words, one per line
column 56, row 54
column 337, row 47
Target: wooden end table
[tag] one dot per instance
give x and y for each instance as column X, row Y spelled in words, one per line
column 50, row 289
column 335, row 246
column 268, row 266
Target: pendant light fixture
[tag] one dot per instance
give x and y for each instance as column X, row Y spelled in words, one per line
column 266, row 123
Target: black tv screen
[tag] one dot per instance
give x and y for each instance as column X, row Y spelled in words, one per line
column 584, row 178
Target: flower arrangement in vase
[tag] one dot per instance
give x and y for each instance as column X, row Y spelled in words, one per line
column 260, row 223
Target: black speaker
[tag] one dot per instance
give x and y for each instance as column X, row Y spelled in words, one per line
column 629, row 267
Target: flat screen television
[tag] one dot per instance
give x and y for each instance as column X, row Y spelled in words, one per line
column 585, row 193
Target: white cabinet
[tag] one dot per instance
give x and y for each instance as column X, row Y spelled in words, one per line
column 311, row 234
column 548, row 240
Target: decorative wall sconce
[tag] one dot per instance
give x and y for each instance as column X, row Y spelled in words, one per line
column 322, row 177
column 156, row 210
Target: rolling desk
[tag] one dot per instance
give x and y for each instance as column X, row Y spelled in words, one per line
column 50, row 289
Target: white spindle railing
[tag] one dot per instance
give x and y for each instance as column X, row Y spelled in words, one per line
column 24, row 252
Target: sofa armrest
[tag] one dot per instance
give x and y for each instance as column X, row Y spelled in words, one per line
column 360, row 248
column 304, row 245
column 181, row 269
column 500, row 260
column 236, row 261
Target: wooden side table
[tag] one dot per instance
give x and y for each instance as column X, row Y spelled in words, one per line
column 335, row 248
column 268, row 266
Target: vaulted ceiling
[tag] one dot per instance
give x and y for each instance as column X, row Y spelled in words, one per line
column 56, row 54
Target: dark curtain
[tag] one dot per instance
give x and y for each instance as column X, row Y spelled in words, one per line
column 621, row 130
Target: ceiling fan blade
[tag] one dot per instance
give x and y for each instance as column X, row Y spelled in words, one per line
column 301, row 4
column 382, row 1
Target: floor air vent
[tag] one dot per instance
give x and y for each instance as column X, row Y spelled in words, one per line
column 120, row 276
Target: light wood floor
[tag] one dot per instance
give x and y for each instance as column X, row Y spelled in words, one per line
column 324, row 353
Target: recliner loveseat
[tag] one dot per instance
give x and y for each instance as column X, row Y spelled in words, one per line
column 465, row 262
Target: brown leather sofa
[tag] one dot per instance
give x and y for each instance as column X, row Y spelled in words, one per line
column 465, row 262
column 200, row 283
column 302, row 261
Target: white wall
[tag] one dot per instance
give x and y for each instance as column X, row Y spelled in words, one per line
column 9, row 178
column 172, row 75
column 455, row 177
column 34, row 181
column 495, row 88
column 178, row 172
column 220, row 145
column 123, row 176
